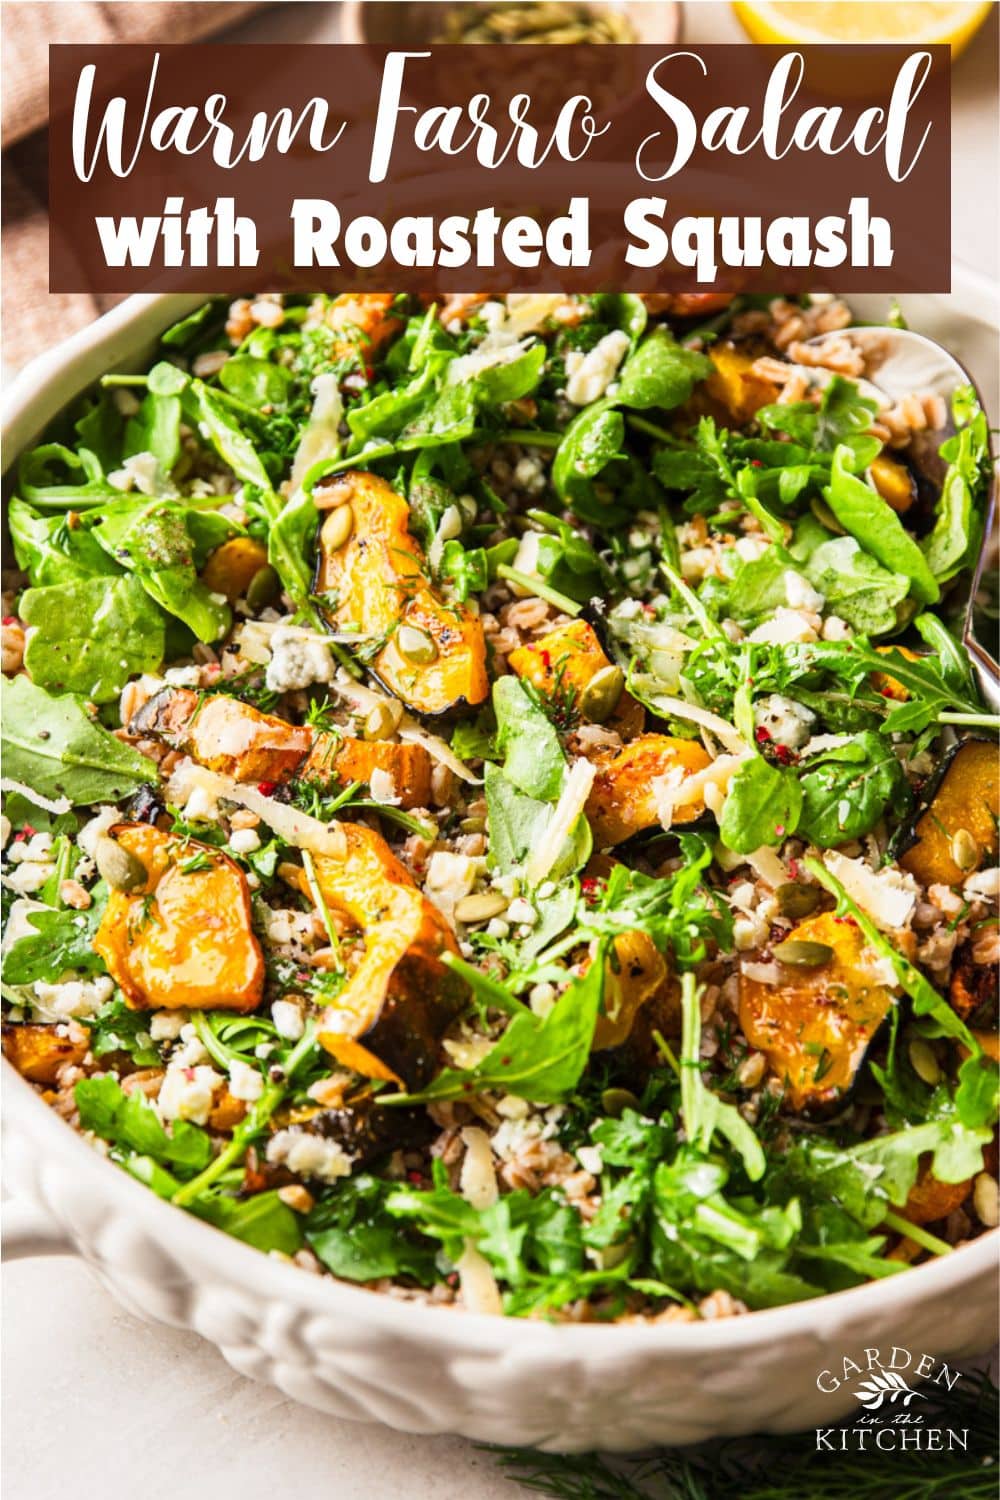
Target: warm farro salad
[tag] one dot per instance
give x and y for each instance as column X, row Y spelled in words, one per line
column 496, row 808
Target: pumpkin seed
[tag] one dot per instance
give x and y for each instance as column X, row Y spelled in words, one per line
column 119, row 867
column 337, row 528
column 480, row 907
column 416, row 645
column 802, row 954
column 923, row 1061
column 965, row 851
column 615, row 1102
column 263, row 588
column 473, row 825
column 381, row 721
column 599, row 698
column 797, row 900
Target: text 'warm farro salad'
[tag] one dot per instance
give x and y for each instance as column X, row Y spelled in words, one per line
column 497, row 809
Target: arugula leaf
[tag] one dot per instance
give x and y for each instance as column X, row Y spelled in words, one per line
column 52, row 745
column 660, row 372
column 117, row 1028
column 855, row 586
column 53, row 477
column 50, row 552
column 91, row 635
column 590, row 442
column 129, row 1120
column 873, row 523
column 703, row 1112
column 842, row 417
column 762, row 808
column 159, row 543
column 533, row 756
column 536, row 1059
column 357, row 1238
column 156, row 427
column 845, row 790
column 258, row 382
column 62, row 940
column 261, row 1220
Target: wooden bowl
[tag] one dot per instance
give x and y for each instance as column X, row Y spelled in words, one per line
column 389, row 23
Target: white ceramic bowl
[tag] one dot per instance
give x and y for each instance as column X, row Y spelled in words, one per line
column 425, row 1369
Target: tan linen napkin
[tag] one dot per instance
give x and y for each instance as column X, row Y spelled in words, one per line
column 34, row 318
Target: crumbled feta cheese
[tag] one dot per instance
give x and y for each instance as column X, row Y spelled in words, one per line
column 496, row 927
column 18, row 925
column 541, row 998
column 786, row 722
column 191, row 1051
column 167, row 1025
column 983, row 885
column 785, row 627
column 309, row 1155
column 31, row 851
column 5, row 830
column 750, row 548
column 288, row 1019
column 522, row 911
column 201, row 806
column 29, row 877
column 590, row 374
column 887, row 896
column 589, row 1158
column 750, row 932
column 186, row 1093
column 140, row 472
column 91, row 832
column 450, row 877
column 297, row 661
column 836, row 629
column 245, row 1082
column 800, row 594
column 244, row 840
column 71, row 997
column 279, row 925
column 183, row 676
column 382, row 785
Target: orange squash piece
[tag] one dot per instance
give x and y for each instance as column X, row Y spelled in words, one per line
column 388, row 1020
column 185, row 937
column 815, row 1024
column 376, row 583
column 734, row 385
column 622, row 800
column 561, row 664
column 968, row 797
column 636, row 974
column 365, row 319
column 930, row 1200
column 231, row 567
column 885, row 684
column 237, row 740
column 39, row 1052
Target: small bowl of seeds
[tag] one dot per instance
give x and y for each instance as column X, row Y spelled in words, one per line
column 387, row 24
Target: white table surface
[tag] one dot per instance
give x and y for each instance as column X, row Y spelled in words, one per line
column 96, row 1402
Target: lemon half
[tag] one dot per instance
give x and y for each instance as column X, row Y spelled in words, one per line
column 919, row 21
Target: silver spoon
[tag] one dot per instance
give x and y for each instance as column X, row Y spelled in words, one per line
column 899, row 362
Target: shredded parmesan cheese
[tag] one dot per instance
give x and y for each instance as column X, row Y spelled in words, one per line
column 765, row 863
column 478, row 1180
column 724, row 732
column 480, row 1293
column 321, row 438
column 887, row 896
column 294, row 826
column 567, row 810
column 52, row 805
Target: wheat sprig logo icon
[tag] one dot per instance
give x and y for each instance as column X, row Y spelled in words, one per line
column 888, row 1386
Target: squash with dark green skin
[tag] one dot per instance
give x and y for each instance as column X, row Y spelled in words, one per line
column 954, row 831
column 234, row 739
column 372, row 578
column 388, row 1020
column 622, row 800
column 815, row 1021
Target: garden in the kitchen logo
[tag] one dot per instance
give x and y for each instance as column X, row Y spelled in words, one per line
column 891, row 1389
